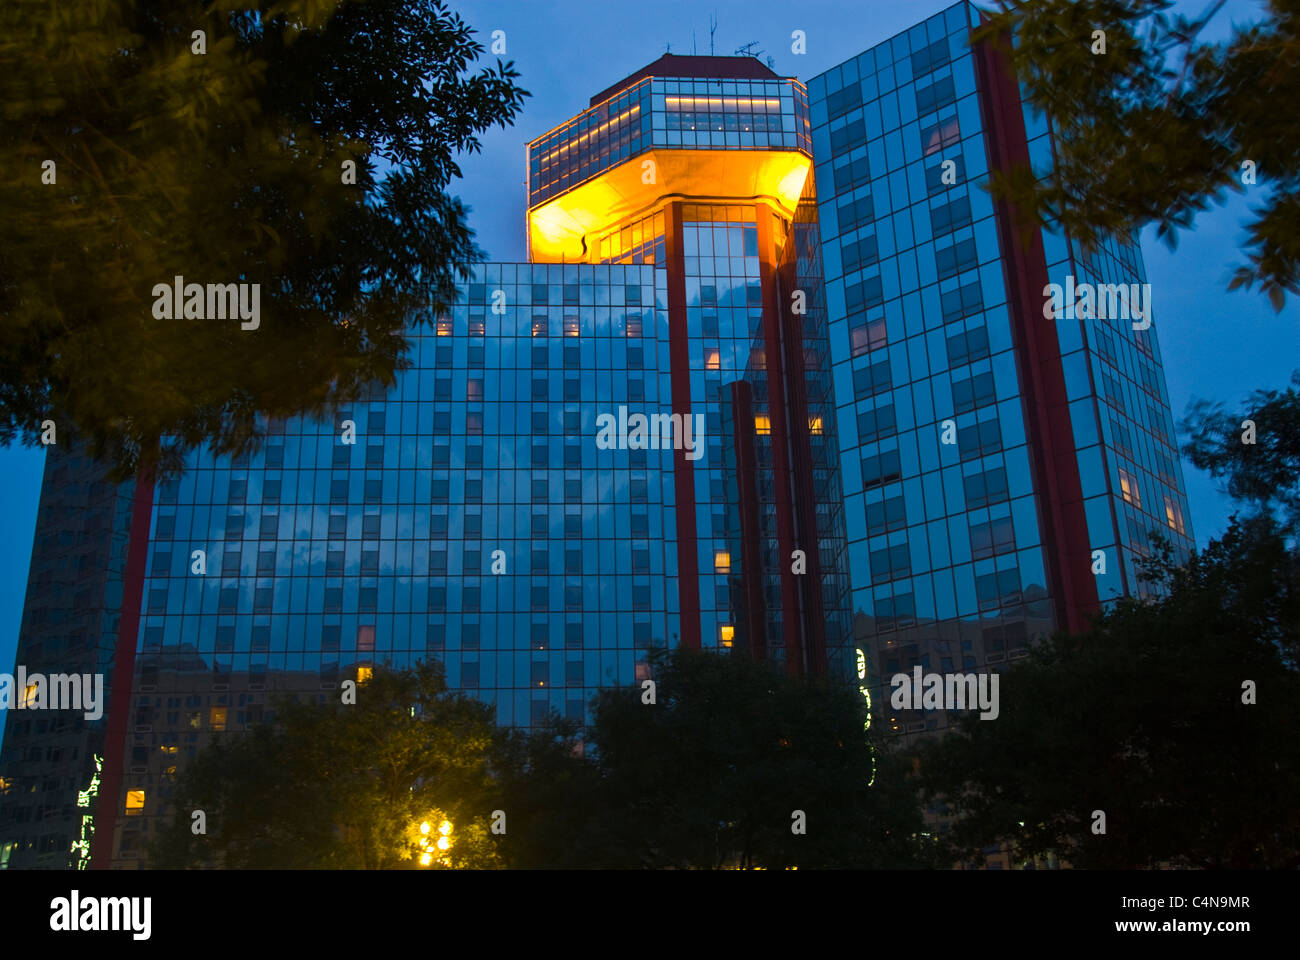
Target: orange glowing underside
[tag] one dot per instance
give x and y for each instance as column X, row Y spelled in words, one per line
column 556, row 228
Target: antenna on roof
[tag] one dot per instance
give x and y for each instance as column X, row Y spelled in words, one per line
column 713, row 26
column 748, row 49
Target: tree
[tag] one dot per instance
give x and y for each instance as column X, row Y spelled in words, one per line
column 550, row 792
column 1175, row 718
column 300, row 148
column 738, row 765
column 1256, row 451
column 1161, row 123
column 344, row 785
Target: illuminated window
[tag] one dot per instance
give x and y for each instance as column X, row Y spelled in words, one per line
column 722, row 561
column 727, row 633
column 169, row 748
column 815, row 426
column 366, row 636
column 762, row 424
column 1129, row 489
column 217, row 717
column 1174, row 515
column 134, row 803
column 571, row 327
column 29, row 696
column 364, row 674
column 539, row 326
column 711, row 360
column 444, row 327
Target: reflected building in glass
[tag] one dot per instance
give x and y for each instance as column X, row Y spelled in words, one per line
column 1002, row 467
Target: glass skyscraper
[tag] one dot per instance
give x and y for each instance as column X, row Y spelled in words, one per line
column 1003, row 460
column 777, row 379
column 627, row 442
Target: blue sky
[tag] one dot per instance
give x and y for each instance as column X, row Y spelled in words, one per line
column 1216, row 344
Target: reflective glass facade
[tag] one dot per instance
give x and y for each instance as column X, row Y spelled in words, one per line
column 897, row 452
column 468, row 515
column 500, row 510
column 987, row 451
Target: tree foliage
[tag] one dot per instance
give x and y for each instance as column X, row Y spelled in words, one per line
column 1143, row 718
column 711, row 774
column 225, row 166
column 343, row 785
column 1264, row 473
column 1157, row 127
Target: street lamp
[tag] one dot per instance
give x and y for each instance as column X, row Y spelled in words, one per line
column 430, row 845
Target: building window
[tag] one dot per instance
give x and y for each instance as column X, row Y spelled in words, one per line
column 886, row 516
column 953, row 260
column 876, row 424
column 573, row 673
column 967, row 347
column 883, row 468
column 940, row 135
column 890, row 563
column 867, row 336
column 998, row 589
column 873, row 379
column 972, row 392
column 862, row 296
column 994, row 537
column 365, row 638
column 979, row 439
column 941, row 93
column 983, row 489
column 962, row 301
column 950, row 216
column 1174, row 515
column 856, row 212
column 1128, row 488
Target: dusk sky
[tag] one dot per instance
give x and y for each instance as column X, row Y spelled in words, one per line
column 1215, row 344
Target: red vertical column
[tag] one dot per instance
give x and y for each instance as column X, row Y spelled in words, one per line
column 1066, row 548
column 109, row 802
column 809, row 584
column 751, row 558
column 778, row 410
column 688, row 563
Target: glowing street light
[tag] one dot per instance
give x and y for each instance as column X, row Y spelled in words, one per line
column 431, row 845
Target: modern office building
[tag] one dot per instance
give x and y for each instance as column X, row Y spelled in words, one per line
column 70, row 626
column 996, row 451
column 776, row 379
column 628, row 441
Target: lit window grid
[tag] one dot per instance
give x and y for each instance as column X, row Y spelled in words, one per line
column 406, row 504
column 657, row 112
